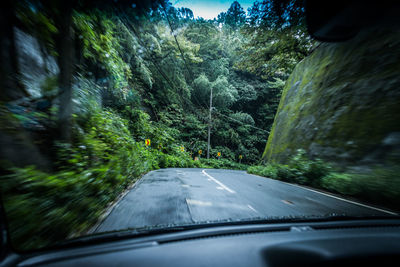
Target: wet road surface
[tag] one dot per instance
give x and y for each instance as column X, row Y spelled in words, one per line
column 184, row 196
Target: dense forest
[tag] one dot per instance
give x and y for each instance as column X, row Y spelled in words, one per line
column 96, row 94
column 118, row 73
column 155, row 66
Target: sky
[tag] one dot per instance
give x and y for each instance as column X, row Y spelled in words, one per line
column 210, row 9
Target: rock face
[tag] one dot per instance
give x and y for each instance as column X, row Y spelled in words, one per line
column 35, row 64
column 19, row 144
column 342, row 103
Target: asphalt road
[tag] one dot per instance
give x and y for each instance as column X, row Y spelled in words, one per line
column 182, row 196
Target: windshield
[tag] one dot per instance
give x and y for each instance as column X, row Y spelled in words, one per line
column 118, row 115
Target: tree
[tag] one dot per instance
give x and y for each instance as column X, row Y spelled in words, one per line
column 221, row 18
column 65, row 49
column 155, row 65
column 235, row 16
column 277, row 14
column 277, row 39
column 202, row 88
column 185, row 13
column 11, row 88
column 246, row 93
column 224, row 94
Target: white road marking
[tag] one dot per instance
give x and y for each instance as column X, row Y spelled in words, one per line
column 342, row 199
column 339, row 198
column 219, row 187
column 287, row 202
column 253, row 209
column 218, row 182
column 185, row 185
column 198, row 202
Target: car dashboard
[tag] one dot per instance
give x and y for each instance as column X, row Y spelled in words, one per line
column 335, row 243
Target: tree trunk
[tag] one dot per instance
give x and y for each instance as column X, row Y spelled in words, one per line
column 11, row 87
column 65, row 49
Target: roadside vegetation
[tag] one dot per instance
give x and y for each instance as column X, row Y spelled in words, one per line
column 110, row 76
column 110, row 91
column 145, row 71
column 103, row 161
column 375, row 185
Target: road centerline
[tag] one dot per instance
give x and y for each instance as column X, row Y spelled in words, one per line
column 198, row 202
column 218, row 182
column 253, row 209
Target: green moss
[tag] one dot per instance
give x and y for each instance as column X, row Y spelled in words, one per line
column 341, row 93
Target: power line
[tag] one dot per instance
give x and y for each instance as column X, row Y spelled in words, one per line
column 241, row 122
column 176, row 40
column 182, row 55
column 152, row 59
column 126, row 23
column 188, row 68
column 170, row 83
column 158, row 68
column 209, row 126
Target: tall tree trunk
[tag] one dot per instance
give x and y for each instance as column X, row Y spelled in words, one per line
column 65, row 49
column 10, row 85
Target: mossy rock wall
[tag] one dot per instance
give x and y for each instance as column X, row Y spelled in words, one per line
column 342, row 103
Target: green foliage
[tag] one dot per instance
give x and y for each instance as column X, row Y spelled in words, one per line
column 139, row 123
column 269, row 171
column 278, row 56
column 378, row 185
column 49, row 85
column 101, row 45
column 37, row 21
column 132, row 83
column 224, row 94
column 202, row 87
column 277, row 39
column 130, row 53
column 340, row 183
column 226, row 153
column 243, row 117
column 234, row 17
column 171, row 161
column 246, row 93
column 222, row 164
column 300, row 170
column 103, row 160
column 309, row 171
column 51, row 207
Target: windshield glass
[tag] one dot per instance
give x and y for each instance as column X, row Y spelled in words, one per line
column 117, row 115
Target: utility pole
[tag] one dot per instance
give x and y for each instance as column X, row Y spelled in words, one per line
column 209, row 127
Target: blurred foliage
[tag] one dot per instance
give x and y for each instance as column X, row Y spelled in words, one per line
column 300, row 170
column 137, row 77
column 100, row 44
column 103, row 161
column 222, row 164
column 380, row 185
column 277, row 38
